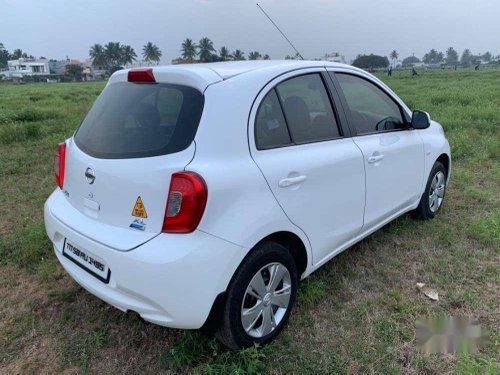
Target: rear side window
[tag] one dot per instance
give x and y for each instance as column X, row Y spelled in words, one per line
column 270, row 125
column 307, row 108
column 131, row 120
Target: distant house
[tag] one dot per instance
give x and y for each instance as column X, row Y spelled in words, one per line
column 333, row 57
column 25, row 67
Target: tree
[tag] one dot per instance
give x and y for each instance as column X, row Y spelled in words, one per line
column 151, row 53
column 433, row 57
column 17, row 54
column 410, row 61
column 238, row 55
column 188, row 50
column 205, row 50
column 266, row 57
column 128, row 55
column 294, row 57
column 255, row 55
column 394, row 56
column 451, row 56
column 4, row 56
column 75, row 71
column 466, row 57
column 486, row 57
column 224, row 54
column 98, row 56
column 371, row 61
column 113, row 53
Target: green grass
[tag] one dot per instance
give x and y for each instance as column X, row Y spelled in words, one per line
column 355, row 315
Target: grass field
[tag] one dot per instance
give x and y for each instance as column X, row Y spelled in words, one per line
column 355, row 315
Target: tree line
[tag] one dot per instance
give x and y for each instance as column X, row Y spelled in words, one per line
column 113, row 55
column 450, row 58
column 204, row 51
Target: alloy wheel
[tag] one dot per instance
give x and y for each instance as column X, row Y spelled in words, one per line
column 436, row 191
column 266, row 300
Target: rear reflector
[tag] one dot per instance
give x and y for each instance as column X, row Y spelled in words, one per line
column 141, row 76
column 187, row 198
column 59, row 164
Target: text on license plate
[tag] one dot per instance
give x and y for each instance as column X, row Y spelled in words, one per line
column 89, row 262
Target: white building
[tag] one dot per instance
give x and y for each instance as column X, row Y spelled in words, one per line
column 25, row 67
column 333, row 57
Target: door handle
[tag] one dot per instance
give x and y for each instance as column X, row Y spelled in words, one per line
column 286, row 182
column 375, row 158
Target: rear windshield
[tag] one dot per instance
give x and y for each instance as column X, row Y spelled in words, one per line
column 130, row 120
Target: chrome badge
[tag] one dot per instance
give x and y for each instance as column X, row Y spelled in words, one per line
column 90, row 175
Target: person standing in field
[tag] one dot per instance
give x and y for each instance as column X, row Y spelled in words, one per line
column 413, row 72
column 389, row 72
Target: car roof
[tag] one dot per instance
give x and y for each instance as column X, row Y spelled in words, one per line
column 201, row 75
column 230, row 69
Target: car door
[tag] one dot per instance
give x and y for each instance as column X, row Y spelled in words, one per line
column 314, row 170
column 393, row 153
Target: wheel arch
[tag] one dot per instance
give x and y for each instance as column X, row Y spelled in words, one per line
column 445, row 160
column 291, row 241
column 293, row 244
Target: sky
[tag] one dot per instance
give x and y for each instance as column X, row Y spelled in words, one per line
column 60, row 28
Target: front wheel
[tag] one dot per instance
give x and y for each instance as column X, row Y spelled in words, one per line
column 259, row 298
column 433, row 196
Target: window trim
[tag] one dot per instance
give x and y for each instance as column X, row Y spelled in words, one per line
column 347, row 111
column 293, row 143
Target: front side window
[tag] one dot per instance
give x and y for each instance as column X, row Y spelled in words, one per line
column 307, row 108
column 372, row 110
column 131, row 120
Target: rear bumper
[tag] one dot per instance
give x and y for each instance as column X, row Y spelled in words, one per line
column 171, row 280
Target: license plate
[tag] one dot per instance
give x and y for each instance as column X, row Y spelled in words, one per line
column 87, row 261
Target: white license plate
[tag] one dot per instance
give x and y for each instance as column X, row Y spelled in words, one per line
column 87, row 261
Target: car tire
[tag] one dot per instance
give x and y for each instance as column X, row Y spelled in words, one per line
column 433, row 198
column 260, row 297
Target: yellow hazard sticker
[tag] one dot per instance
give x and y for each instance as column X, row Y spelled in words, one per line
column 139, row 209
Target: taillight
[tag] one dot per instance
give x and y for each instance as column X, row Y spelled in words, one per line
column 59, row 162
column 187, row 198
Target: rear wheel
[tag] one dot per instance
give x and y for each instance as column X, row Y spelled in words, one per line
column 259, row 298
column 433, row 196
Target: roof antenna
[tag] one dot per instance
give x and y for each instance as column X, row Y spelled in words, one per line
column 282, row 33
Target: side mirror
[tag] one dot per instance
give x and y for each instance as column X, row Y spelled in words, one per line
column 420, row 120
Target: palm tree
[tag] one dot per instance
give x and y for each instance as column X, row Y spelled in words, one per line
column 113, row 52
column 238, row 55
column 128, row 55
column 151, row 53
column 98, row 55
column 394, row 55
column 205, row 49
column 188, row 50
column 254, row 55
column 224, row 54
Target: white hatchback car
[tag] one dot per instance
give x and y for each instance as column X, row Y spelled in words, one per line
column 203, row 193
